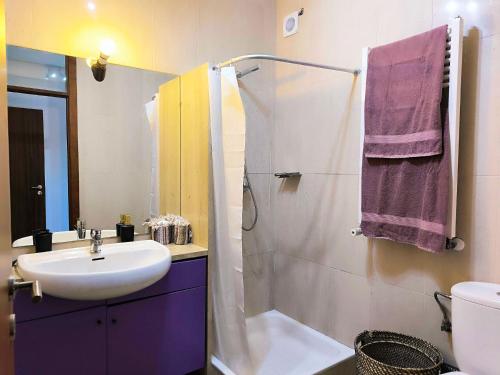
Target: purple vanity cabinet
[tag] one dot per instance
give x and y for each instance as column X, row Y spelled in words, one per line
column 158, row 335
column 158, row 330
column 73, row 343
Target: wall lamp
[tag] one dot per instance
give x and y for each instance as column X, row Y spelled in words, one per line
column 98, row 67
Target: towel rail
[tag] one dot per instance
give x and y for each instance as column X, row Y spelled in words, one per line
column 454, row 243
column 452, row 83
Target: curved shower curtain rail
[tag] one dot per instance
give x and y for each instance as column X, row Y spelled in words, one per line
column 238, row 59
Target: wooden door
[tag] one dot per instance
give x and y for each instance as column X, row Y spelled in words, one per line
column 27, row 172
column 6, row 347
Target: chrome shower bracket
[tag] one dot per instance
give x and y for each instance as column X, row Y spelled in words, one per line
column 243, row 73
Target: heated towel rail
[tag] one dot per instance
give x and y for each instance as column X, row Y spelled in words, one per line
column 452, row 83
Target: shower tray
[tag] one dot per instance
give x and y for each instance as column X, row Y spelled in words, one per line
column 280, row 345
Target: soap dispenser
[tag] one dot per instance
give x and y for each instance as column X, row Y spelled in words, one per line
column 120, row 224
column 126, row 229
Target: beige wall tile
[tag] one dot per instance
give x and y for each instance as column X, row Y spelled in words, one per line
column 487, row 110
column 302, row 291
column 481, row 14
column 334, row 25
column 317, row 123
column 400, row 19
column 397, row 264
column 165, row 35
column 257, row 92
column 468, row 105
column 261, row 238
column 432, row 329
column 480, row 260
column 124, row 174
column 350, row 307
column 230, row 28
column 314, row 222
column 397, row 309
column 257, row 280
column 177, row 27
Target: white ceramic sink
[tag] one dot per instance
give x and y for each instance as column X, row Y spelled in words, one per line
column 120, row 269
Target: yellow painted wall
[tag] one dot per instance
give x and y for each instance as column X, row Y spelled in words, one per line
column 195, row 120
column 170, row 147
column 164, row 35
column 184, row 150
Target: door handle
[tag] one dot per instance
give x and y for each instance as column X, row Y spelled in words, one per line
column 37, row 187
column 12, row 326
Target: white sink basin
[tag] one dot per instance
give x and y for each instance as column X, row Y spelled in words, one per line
column 120, row 269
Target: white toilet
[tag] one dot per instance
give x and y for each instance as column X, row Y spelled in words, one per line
column 476, row 327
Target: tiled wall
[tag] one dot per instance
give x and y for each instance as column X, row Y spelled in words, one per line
column 257, row 91
column 342, row 285
column 106, row 110
column 171, row 36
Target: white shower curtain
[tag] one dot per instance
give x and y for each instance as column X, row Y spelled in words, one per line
column 153, row 113
column 228, row 160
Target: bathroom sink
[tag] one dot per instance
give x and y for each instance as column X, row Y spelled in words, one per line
column 120, row 269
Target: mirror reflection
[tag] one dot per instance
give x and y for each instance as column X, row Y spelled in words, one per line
column 63, row 169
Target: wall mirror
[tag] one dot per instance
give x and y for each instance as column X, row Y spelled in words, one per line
column 79, row 148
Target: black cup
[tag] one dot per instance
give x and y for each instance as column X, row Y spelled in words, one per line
column 43, row 241
column 34, row 232
column 127, row 233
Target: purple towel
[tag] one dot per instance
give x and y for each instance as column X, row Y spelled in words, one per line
column 403, row 95
column 405, row 188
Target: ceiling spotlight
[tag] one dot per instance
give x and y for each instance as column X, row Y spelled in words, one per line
column 91, row 6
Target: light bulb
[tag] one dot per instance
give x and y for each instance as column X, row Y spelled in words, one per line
column 91, row 6
column 89, row 61
column 107, row 47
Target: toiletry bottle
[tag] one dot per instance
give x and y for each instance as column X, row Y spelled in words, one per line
column 127, row 229
column 119, row 225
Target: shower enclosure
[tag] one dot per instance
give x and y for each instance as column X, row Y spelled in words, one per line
column 252, row 335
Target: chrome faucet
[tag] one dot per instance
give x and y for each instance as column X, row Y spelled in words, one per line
column 80, row 229
column 96, row 241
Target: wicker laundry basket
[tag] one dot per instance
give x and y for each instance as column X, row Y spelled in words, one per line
column 388, row 353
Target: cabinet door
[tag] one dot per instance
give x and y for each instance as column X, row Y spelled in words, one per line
column 158, row 335
column 71, row 343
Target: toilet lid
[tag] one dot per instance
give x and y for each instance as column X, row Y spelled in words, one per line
column 486, row 294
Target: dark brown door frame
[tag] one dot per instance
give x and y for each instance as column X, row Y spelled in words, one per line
column 71, row 133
